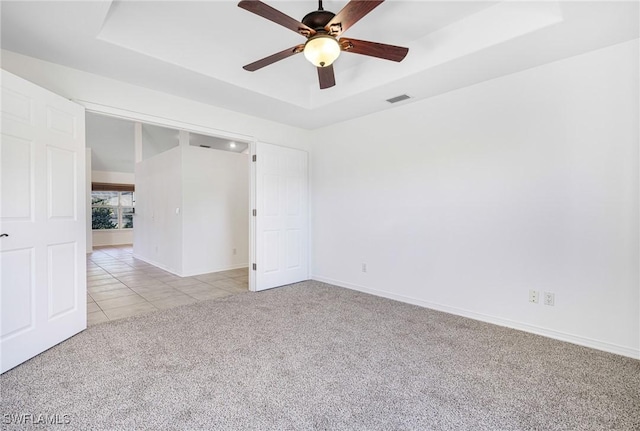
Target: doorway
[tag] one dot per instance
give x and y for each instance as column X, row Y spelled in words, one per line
column 40, row 311
column 170, row 217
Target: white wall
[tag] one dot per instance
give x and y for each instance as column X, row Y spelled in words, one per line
column 465, row 201
column 112, row 237
column 192, row 210
column 158, row 220
column 113, row 177
column 215, row 210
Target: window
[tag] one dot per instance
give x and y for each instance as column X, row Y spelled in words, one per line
column 112, row 210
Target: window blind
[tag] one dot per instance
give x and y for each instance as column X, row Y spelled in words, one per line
column 108, row 187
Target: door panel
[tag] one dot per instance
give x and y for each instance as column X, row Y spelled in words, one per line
column 271, row 253
column 18, row 284
column 63, row 122
column 42, row 260
column 17, row 106
column 272, row 195
column 16, row 178
column 293, row 247
column 61, row 281
column 281, row 229
column 61, row 170
column 293, row 196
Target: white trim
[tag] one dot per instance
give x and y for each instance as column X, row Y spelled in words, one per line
column 252, row 219
column 557, row 335
column 126, row 114
column 137, row 141
column 183, row 138
column 89, row 214
column 140, row 117
column 228, row 268
column 159, row 265
column 191, row 274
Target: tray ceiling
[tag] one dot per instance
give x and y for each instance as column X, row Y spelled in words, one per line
column 197, row 49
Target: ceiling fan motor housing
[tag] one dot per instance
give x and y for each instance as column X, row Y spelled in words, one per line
column 318, row 19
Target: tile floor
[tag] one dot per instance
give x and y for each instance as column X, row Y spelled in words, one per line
column 118, row 285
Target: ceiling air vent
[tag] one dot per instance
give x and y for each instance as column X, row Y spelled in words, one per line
column 398, row 98
column 205, row 146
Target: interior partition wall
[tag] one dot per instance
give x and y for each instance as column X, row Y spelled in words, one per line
column 192, row 210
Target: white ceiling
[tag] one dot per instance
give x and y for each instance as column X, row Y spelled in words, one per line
column 112, row 143
column 215, row 143
column 197, row 49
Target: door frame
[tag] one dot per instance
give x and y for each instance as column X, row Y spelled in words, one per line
column 125, row 114
column 252, row 219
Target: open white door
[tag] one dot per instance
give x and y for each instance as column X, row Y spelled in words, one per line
column 42, row 219
column 281, row 218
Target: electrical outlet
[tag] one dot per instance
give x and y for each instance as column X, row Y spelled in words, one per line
column 364, row 267
column 235, row 252
column 549, row 298
column 533, row 296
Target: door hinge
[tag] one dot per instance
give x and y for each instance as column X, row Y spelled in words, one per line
column 254, row 158
column 254, row 266
column 255, row 213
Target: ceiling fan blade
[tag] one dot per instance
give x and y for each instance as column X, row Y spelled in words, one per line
column 252, row 67
column 349, row 15
column 266, row 11
column 326, row 76
column 374, row 49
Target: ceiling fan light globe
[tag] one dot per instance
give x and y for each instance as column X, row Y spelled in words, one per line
column 322, row 50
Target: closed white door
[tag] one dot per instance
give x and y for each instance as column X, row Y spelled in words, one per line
column 42, row 220
column 281, row 219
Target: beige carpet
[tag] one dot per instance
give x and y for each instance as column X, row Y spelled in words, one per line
column 314, row 356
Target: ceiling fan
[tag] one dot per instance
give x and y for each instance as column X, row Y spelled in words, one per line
column 322, row 30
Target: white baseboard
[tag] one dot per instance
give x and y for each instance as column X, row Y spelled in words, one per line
column 192, row 273
column 557, row 335
column 159, row 265
column 208, row 270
